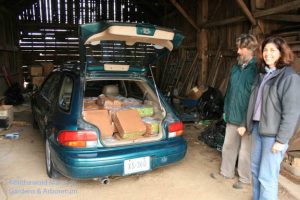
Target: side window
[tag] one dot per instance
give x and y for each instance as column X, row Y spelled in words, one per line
column 49, row 89
column 134, row 90
column 65, row 94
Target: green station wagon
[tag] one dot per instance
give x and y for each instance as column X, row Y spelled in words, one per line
column 103, row 116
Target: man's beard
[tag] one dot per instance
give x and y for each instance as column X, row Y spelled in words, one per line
column 243, row 59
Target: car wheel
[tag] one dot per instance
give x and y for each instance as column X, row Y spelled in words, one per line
column 51, row 172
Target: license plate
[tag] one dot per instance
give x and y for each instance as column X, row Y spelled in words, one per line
column 136, row 165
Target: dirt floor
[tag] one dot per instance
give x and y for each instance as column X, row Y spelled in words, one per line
column 23, row 175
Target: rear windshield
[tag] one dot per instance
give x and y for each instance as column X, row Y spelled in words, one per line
column 137, row 89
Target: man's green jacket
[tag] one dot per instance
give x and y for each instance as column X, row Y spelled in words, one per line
column 238, row 92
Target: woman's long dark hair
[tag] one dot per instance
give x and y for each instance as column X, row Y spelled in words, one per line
column 286, row 54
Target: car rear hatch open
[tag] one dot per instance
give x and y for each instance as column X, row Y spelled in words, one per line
column 119, row 100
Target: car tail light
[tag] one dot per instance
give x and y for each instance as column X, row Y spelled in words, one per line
column 175, row 129
column 78, row 139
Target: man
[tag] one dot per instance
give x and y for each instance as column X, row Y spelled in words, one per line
column 236, row 143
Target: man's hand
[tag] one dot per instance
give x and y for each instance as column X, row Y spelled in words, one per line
column 241, row 130
column 277, row 147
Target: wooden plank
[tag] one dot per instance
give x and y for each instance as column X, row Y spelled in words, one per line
column 231, row 20
column 125, row 10
column 62, row 12
column 285, row 7
column 202, row 46
column 47, row 2
column 253, row 5
column 43, row 14
column 283, row 18
column 104, row 10
column 54, row 11
column 38, row 13
column 260, row 4
column 133, row 17
column 246, row 11
column 70, row 12
column 111, row 10
column 217, row 8
column 86, row 12
column 118, row 10
column 185, row 14
column 94, row 11
column 77, row 12
column 36, row 25
column 97, row 17
column 224, row 52
column 259, row 14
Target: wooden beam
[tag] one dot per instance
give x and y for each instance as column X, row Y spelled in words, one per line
column 259, row 14
column 246, row 12
column 293, row 5
column 231, row 20
column 283, row 18
column 185, row 15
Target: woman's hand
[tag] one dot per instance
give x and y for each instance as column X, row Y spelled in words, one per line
column 277, row 147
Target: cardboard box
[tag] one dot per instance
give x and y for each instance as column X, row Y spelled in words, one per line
column 90, row 104
column 152, row 126
column 109, row 102
column 36, row 70
column 101, row 119
column 47, row 68
column 129, row 124
column 6, row 116
column 37, row 80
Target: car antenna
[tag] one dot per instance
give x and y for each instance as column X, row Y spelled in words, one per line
column 156, row 90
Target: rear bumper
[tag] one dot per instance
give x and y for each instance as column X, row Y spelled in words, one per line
column 110, row 161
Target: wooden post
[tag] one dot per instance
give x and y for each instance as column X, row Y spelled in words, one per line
column 202, row 8
column 258, row 30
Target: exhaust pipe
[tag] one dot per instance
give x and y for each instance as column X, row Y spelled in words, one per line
column 104, row 180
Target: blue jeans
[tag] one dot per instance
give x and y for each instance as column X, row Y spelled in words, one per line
column 265, row 166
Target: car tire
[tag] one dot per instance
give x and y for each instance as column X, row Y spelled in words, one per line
column 51, row 171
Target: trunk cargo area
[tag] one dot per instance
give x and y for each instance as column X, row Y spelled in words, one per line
column 124, row 111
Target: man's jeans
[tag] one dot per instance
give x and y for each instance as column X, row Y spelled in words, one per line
column 265, row 166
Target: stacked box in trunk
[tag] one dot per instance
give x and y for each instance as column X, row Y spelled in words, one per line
column 129, row 124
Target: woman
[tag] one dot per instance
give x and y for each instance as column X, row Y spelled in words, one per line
column 273, row 115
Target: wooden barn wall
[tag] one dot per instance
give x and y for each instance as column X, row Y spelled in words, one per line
column 9, row 52
column 174, row 19
column 221, row 39
column 176, row 74
column 49, row 28
column 290, row 31
column 221, row 50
